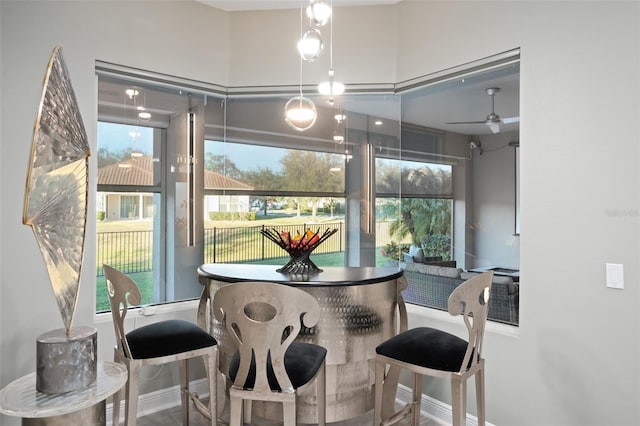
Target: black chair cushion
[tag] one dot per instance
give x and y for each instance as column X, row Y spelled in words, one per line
column 301, row 362
column 167, row 338
column 426, row 347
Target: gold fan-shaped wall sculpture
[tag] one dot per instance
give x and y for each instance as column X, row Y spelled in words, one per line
column 55, row 202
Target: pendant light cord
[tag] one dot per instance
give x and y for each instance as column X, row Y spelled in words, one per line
column 331, row 72
column 300, row 56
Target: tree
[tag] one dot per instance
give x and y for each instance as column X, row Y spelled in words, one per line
column 422, row 179
column 263, row 178
column 422, row 217
column 388, row 210
column 107, row 158
column 308, row 171
column 221, row 164
column 387, row 177
column 311, row 172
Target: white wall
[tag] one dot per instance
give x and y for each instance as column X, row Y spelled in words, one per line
column 577, row 340
column 150, row 35
column 263, row 51
column 493, row 219
column 573, row 360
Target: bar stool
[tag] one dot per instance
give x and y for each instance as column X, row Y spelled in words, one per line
column 427, row 351
column 264, row 319
column 157, row 343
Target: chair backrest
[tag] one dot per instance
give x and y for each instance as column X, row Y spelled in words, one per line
column 122, row 292
column 471, row 300
column 264, row 319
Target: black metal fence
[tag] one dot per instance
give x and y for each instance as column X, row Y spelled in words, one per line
column 128, row 251
column 132, row 251
column 228, row 245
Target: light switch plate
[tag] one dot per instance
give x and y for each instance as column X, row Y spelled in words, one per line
column 615, row 275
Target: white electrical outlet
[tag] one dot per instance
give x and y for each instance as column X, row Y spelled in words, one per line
column 615, row 275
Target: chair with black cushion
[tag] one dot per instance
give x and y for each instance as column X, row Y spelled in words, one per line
column 154, row 344
column 427, row 351
column 268, row 365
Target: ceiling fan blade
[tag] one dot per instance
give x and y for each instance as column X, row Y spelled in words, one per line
column 493, row 120
column 467, row 122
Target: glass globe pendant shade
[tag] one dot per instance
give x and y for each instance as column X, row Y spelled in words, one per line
column 319, row 13
column 300, row 113
column 310, row 45
column 331, row 87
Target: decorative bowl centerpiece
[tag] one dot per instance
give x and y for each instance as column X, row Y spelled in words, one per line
column 299, row 247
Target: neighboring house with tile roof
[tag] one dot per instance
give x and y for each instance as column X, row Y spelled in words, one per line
column 138, row 171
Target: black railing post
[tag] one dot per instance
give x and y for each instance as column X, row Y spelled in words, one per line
column 262, row 245
column 213, row 243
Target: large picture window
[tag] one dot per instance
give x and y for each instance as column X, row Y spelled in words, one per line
column 414, row 199
column 191, row 177
column 128, row 197
column 250, row 187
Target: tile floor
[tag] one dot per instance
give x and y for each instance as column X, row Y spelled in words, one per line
column 173, row 417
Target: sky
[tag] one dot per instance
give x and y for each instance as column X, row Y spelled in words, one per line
column 116, row 138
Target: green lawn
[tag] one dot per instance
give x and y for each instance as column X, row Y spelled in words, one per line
column 273, row 219
column 144, row 280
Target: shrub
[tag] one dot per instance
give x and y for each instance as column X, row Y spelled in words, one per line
column 101, row 215
column 392, row 250
column 437, row 245
column 232, row 215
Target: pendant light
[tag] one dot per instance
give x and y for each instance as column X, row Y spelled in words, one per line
column 331, row 88
column 300, row 113
column 319, row 12
column 338, row 134
column 310, row 45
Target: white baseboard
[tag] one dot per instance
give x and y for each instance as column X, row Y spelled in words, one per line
column 432, row 408
column 161, row 400
column 165, row 399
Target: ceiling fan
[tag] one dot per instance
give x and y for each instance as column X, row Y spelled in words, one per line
column 493, row 120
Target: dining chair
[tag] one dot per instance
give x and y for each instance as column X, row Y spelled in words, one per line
column 269, row 365
column 157, row 343
column 426, row 351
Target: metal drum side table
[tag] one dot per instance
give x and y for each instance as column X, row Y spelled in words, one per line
column 84, row 407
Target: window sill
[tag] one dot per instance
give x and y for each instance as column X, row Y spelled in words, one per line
column 417, row 313
column 152, row 310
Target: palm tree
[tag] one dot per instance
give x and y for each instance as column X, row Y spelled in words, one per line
column 421, row 217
